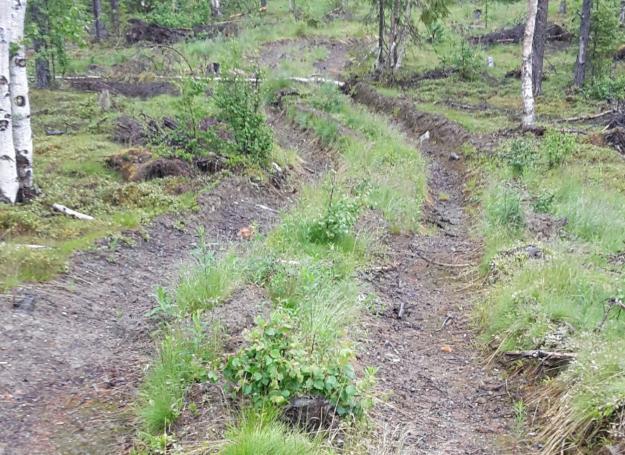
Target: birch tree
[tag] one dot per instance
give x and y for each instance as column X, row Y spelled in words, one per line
column 527, row 91
column 20, row 106
column 538, row 51
column 216, row 8
column 9, row 185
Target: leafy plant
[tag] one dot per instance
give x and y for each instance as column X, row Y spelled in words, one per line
column 557, row 147
column 337, row 222
column 607, row 87
column 274, row 367
column 520, row 156
column 460, row 56
column 544, row 202
column 239, row 104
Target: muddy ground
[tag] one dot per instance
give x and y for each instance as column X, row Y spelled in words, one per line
column 73, row 351
column 442, row 398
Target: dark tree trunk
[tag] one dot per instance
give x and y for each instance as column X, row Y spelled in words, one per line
column 97, row 20
column 263, row 4
column 562, row 9
column 42, row 68
column 115, row 16
column 584, row 37
column 538, row 52
column 621, row 16
column 380, row 60
column 43, row 75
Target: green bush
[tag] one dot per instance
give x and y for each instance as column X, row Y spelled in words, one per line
column 543, row 203
column 275, row 366
column 460, row 56
column 239, row 104
column 336, row 223
column 606, row 88
column 556, row 148
column 520, row 155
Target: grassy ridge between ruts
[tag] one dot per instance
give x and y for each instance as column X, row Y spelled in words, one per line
column 554, row 227
column 306, row 268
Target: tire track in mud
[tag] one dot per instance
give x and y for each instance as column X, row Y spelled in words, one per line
column 74, row 350
column 440, row 398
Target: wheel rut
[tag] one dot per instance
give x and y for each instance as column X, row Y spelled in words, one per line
column 438, row 397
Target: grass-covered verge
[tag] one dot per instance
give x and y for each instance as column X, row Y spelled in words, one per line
column 307, row 268
column 554, row 229
column 71, row 169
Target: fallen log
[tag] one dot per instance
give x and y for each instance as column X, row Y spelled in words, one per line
column 75, row 80
column 545, row 356
column 73, row 213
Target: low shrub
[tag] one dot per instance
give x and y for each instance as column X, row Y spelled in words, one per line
column 275, row 367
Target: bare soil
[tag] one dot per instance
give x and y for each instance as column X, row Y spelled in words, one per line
column 441, row 396
column 74, row 350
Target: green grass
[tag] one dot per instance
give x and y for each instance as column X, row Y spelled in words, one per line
column 558, row 302
column 390, row 172
column 71, row 170
column 263, row 435
column 207, row 284
column 185, row 355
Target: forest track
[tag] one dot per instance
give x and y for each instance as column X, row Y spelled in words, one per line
column 441, row 398
column 74, row 351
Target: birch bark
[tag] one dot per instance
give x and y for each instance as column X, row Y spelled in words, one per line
column 8, row 170
column 527, row 91
column 20, row 106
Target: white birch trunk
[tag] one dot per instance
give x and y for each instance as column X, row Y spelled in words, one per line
column 20, row 105
column 8, row 170
column 216, row 7
column 527, row 89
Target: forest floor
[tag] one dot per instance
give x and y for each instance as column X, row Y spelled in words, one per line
column 78, row 346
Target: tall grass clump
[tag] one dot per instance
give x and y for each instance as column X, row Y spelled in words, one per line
column 263, row 435
column 185, row 355
column 206, row 284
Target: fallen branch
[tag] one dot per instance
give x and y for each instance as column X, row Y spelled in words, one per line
column 22, row 245
column 303, row 80
column 73, row 213
column 545, row 356
column 588, row 117
column 441, row 264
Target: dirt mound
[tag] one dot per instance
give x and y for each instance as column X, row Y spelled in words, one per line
column 311, row 413
column 143, row 31
column 619, row 55
column 615, row 138
column 138, row 164
column 441, row 129
column 131, row 88
column 515, row 35
column 129, row 131
column 412, row 80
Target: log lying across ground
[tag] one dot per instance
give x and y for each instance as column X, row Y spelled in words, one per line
column 153, row 33
column 544, row 356
column 162, row 85
column 515, row 34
